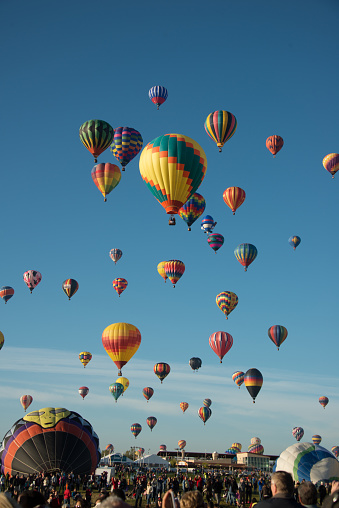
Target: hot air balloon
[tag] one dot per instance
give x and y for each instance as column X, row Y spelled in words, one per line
column 161, row 370
column 246, row 254
column 162, row 447
column 195, row 363
column 298, row 433
column 208, row 224
column 174, row 269
column 173, row 166
column 158, row 95
column 237, row 445
column 151, row 422
column 121, row 341
column 184, row 406
column 277, row 334
column 6, row 293
column 124, row 382
column 85, row 357
column 96, row 135
column 181, row 444
column 110, row 448
column 192, row 209
column 204, row 413
column 256, row 448
column 234, row 197
column 274, row 144
column 221, row 343
column 294, row 241
column 253, row 381
column 2, row 340
column 231, row 451
column 226, row 301
column 120, row 285
column 140, row 451
column 70, row 287
column 215, row 241
column 331, row 163
column 323, row 401
column 136, row 429
column 148, row 392
column 83, row 391
column 316, row 439
column 238, row 377
column 220, row 126
column 116, row 390
column 335, row 451
column 127, row 143
column 115, row 255
column 32, row 279
column 161, row 270
column 47, row 440
column 255, row 440
column 106, row 177
column 207, row 402
column 26, row 401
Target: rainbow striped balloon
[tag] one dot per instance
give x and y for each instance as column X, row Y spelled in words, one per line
column 238, row 377
column 220, row 126
column 277, row 334
column 174, row 269
column 226, row 301
column 253, row 381
column 316, row 439
column 323, row 401
column 106, row 177
column 246, row 254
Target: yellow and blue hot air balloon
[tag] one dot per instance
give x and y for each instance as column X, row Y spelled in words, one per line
column 226, row 301
column 220, row 126
column 294, row 241
column 192, row 209
column 208, row 224
column 245, row 254
column 127, row 143
column 85, row 357
column 124, row 382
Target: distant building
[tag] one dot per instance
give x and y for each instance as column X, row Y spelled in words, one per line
column 254, row 461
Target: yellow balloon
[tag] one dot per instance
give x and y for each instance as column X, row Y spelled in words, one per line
column 124, row 382
column 161, row 270
column 121, row 341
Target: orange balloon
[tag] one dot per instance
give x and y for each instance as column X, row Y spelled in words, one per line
column 121, row 341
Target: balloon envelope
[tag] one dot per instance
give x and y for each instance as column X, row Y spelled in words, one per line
column 277, row 334
column 226, row 301
column 136, row 429
column 120, row 285
column 83, row 391
column 161, row 270
column 158, row 95
column 121, row 341
column 298, row 433
column 207, row 402
column 6, row 293
column 253, row 381
column 192, row 209
column 116, row 390
column 274, row 144
column 151, row 422
column 85, row 357
column 181, row 444
column 294, row 241
column 316, row 439
column 32, row 279
column 221, row 343
column 184, row 406
column 124, row 382
column 204, row 413
column 115, row 255
column 96, row 135
column 238, row 377
column 161, row 370
column 127, row 143
column 26, row 401
column 106, row 177
column 174, row 269
column 70, row 287
column 234, row 197
column 245, row 254
column 220, row 126
column 208, row 224
column 148, row 392
column 195, row 363
column 331, row 163
column 323, row 401
column 215, row 241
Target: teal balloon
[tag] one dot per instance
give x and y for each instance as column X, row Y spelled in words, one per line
column 116, row 390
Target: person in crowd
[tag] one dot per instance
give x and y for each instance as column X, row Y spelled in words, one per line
column 191, row 499
column 282, row 488
column 31, row 498
column 308, row 495
column 322, row 492
column 7, row 501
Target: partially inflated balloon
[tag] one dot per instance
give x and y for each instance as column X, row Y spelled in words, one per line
column 277, row 334
column 323, row 401
column 331, row 163
column 120, row 285
column 116, row 390
column 158, row 95
column 226, row 301
column 181, row 444
column 6, row 293
column 274, row 144
column 195, row 363
column 234, row 197
column 83, row 391
column 221, row 343
column 161, row 270
column 204, row 413
column 121, row 341
column 96, row 135
column 192, row 209
column 70, row 287
column 26, row 401
column 148, row 392
column 184, row 406
column 253, row 381
column 298, row 433
column 246, row 254
column 106, row 177
column 115, row 255
column 85, row 357
column 2, row 340
column 316, row 439
column 136, row 429
column 32, row 279
column 207, row 402
column 294, row 241
column 161, row 370
column 215, row 240
column 220, row 126
column 174, row 269
column 238, row 377
column 151, row 422
column 127, row 143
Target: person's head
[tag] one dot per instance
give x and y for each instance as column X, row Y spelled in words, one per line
column 119, row 493
column 114, row 502
column 192, row 499
column 282, row 483
column 30, row 498
column 80, row 503
column 7, row 502
column 307, row 493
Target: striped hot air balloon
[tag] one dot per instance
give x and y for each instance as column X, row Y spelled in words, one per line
column 323, row 401
column 204, row 413
column 215, row 241
column 161, row 370
column 158, row 95
column 181, row 444
column 121, row 341
column 162, row 447
column 148, row 392
column 83, row 391
column 253, row 381
column 70, row 287
column 151, row 422
column 161, row 270
column 207, row 402
column 96, row 135
column 316, row 439
column 26, row 401
column 226, row 301
column 127, row 143
column 116, row 390
column 335, row 451
column 331, row 163
column 106, row 177
column 277, row 334
column 136, row 429
column 238, row 377
column 221, row 343
column 174, row 269
column 120, row 285
column 220, row 126
column 6, row 293
column 115, row 255
column 234, row 197
column 274, row 144
column 246, row 254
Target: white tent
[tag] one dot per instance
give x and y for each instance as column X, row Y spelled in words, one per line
column 152, row 460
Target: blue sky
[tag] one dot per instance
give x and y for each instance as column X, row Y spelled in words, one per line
column 274, row 67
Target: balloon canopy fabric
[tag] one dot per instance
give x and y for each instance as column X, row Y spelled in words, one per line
column 238, row 377
column 181, row 444
column 116, row 390
column 6, row 293
column 46, row 440
column 85, row 357
column 161, row 370
column 2, row 340
column 331, row 163
column 124, row 382
column 136, row 429
column 277, row 334
column 83, row 391
column 274, row 144
column 253, row 381
column 121, row 341
column 70, row 287
column 237, row 445
column 226, row 301
column 255, row 440
column 207, row 402
column 161, row 270
column 148, row 392
column 184, row 406
column 220, row 126
column 174, row 269
column 26, row 401
column 127, row 143
column 335, row 451
column 294, row 241
column 298, row 433
column 151, row 422
column 309, row 462
column 234, row 197
column 204, row 413
column 173, row 166
column 195, row 363
column 106, row 177
column 158, row 95
column 110, row 448
column 221, row 343
column 115, row 255
column 316, row 439
column 96, row 135
column 119, row 285
column 256, row 448
column 32, row 279
column 208, row 224
column 192, row 209
column 215, row 241
column 246, row 254
column 323, row 401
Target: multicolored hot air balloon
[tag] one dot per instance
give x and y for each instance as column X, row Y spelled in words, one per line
column 2, row 340
column 106, row 177
column 316, row 439
column 256, row 448
column 140, row 452
column 237, row 445
column 136, row 429
column 174, row 269
column 110, row 448
column 195, row 363
column 207, row 402
column 6, row 293
column 294, row 241
column 204, row 413
column 220, row 126
column 234, row 197
column 226, row 301
column 221, row 343
column 161, row 370
column 121, row 341
column 255, row 440
column 85, row 357
column 32, row 279
column 70, row 287
column 127, row 143
column 151, row 422
column 298, row 433
column 181, row 444
column 184, row 406
column 116, row 390
column 124, row 382
column 335, row 451
column 162, row 447
column 323, row 401
column 119, row 285
column 253, row 381
column 331, row 163
column 115, row 255
column 173, row 166
column 246, row 254
column 215, row 240
column 83, row 391
column 161, row 270
column 208, row 224
column 96, row 135
column 148, row 392
column 274, row 144
column 277, row 334
column 192, row 209
column 26, row 401
column 238, row 377
column 158, row 95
